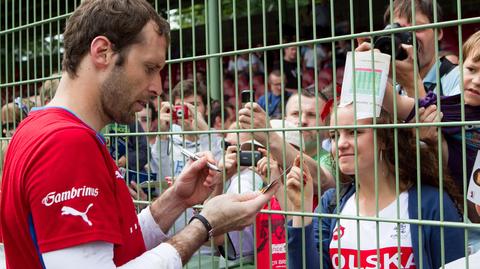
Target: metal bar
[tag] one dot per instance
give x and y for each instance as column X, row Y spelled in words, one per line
column 213, row 48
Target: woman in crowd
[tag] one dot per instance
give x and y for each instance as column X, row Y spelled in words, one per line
column 450, row 110
column 348, row 243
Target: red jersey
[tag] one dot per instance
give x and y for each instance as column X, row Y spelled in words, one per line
column 60, row 189
column 271, row 238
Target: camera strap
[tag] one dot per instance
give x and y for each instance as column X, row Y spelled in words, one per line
column 445, row 67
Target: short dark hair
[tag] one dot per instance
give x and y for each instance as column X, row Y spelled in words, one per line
column 121, row 21
column 403, row 8
column 187, row 86
column 217, row 111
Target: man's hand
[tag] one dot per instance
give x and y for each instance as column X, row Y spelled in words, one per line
column 225, row 213
column 405, row 75
column 195, row 123
column 196, row 181
column 190, row 188
column 164, row 118
column 364, row 46
column 234, row 212
column 253, row 113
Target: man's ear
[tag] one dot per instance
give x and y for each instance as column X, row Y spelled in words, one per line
column 440, row 34
column 101, row 52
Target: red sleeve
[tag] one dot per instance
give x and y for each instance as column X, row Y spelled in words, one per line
column 71, row 191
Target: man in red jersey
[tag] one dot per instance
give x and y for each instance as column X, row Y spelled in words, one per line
column 64, row 203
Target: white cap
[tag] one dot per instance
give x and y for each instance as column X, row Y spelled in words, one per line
column 291, row 137
column 251, row 145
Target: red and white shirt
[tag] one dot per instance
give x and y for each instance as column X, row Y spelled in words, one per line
column 60, row 189
column 346, row 250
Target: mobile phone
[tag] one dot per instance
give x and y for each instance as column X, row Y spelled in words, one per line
column 247, row 96
column 249, row 158
column 179, row 112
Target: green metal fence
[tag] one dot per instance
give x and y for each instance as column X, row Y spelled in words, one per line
column 205, row 34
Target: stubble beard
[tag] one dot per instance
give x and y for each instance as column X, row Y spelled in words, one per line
column 115, row 98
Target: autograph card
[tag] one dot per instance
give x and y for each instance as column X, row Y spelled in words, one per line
column 365, row 80
column 474, row 185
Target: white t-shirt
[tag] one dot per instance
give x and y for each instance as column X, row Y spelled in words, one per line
column 387, row 238
column 473, row 262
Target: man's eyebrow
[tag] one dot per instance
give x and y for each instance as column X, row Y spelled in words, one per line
column 155, row 65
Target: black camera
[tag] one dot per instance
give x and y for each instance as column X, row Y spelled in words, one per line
column 384, row 42
column 249, row 158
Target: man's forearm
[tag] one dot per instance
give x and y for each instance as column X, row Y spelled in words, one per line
column 404, row 103
column 276, row 144
column 166, row 209
column 420, row 88
column 189, row 240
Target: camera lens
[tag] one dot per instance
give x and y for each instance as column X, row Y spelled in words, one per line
column 384, row 43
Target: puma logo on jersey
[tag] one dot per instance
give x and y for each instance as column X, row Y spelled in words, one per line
column 66, row 210
column 118, row 175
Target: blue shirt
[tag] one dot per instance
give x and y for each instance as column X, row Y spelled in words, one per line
column 450, row 81
column 274, row 104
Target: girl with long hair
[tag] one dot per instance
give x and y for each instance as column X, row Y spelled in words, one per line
column 393, row 241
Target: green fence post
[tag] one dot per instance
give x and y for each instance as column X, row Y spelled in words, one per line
column 213, row 62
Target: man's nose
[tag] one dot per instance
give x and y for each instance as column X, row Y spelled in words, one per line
column 304, row 121
column 156, row 86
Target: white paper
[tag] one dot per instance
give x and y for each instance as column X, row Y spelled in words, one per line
column 370, row 78
column 474, row 185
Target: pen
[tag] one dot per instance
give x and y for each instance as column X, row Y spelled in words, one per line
column 195, row 157
column 266, row 188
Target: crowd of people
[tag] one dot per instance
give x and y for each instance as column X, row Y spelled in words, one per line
column 109, row 121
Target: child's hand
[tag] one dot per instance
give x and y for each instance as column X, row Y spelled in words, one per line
column 429, row 134
column 230, row 162
column 295, row 182
column 269, row 164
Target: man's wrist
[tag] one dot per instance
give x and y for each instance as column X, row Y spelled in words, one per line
column 167, row 204
column 205, row 223
column 178, row 199
column 199, row 227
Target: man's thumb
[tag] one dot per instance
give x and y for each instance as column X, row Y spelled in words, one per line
column 258, row 202
column 197, row 165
